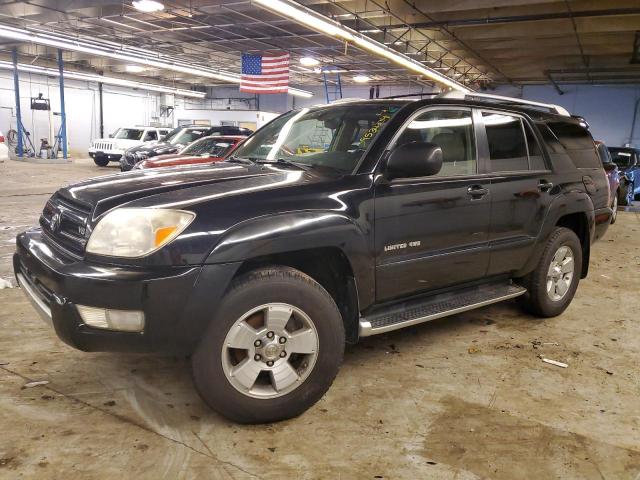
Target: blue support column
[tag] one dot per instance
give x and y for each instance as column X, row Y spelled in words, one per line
column 63, row 114
column 16, row 88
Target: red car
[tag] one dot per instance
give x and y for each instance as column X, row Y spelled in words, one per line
column 204, row 150
column 613, row 175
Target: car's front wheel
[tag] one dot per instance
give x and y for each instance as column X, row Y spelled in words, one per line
column 101, row 161
column 552, row 285
column 273, row 348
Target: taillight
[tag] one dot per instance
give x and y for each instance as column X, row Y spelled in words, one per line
column 1, row 138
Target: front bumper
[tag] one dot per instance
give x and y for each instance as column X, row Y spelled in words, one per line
column 178, row 302
column 112, row 157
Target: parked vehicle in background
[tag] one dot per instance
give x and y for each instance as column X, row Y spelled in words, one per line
column 329, row 224
column 175, row 141
column 105, row 150
column 628, row 161
column 203, row 150
column 4, row 149
column 613, row 176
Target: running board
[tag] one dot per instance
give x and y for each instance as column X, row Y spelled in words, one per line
column 412, row 312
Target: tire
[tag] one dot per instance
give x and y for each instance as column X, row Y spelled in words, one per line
column 538, row 301
column 614, row 208
column 278, row 289
column 625, row 197
column 101, row 162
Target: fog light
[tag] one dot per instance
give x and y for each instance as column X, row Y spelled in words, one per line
column 108, row 319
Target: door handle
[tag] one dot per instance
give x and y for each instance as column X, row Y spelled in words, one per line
column 545, row 186
column 476, row 192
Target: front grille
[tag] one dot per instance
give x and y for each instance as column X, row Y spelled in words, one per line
column 103, row 145
column 64, row 223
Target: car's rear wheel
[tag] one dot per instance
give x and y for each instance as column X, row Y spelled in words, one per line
column 101, row 161
column 552, row 285
column 614, row 208
column 273, row 348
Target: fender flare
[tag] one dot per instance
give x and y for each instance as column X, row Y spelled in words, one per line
column 565, row 204
column 296, row 231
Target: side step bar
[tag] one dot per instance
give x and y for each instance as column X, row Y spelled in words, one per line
column 412, row 312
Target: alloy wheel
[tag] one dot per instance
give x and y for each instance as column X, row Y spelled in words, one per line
column 270, row 350
column 560, row 273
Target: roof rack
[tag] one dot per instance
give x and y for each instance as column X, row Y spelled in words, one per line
column 500, row 99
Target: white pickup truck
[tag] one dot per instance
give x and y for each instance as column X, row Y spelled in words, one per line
column 105, row 150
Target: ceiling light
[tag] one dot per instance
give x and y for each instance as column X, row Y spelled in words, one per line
column 91, row 77
column 309, row 61
column 147, row 6
column 361, row 79
column 125, row 53
column 320, row 23
column 134, row 68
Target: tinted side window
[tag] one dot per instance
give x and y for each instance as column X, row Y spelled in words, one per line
column 151, row 135
column 536, row 160
column 578, row 143
column 507, row 144
column 452, row 131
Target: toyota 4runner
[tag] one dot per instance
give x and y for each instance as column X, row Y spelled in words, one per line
column 328, row 224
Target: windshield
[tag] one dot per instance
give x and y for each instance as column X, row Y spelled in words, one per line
column 335, row 136
column 183, row 135
column 209, row 146
column 129, row 134
column 622, row 157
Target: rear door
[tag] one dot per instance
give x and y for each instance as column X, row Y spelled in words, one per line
column 431, row 232
column 521, row 188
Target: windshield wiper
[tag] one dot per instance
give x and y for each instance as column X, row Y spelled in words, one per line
column 244, row 161
column 284, row 161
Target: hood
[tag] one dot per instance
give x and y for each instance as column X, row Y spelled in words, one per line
column 156, row 148
column 175, row 160
column 183, row 186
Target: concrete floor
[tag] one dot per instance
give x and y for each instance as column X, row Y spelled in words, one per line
column 464, row 397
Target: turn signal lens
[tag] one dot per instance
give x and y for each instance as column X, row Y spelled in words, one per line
column 163, row 234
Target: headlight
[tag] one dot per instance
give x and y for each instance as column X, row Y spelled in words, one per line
column 136, row 232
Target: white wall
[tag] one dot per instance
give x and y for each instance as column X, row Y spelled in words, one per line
column 122, row 106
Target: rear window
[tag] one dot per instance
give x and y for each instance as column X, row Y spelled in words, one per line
column 578, row 143
column 623, row 157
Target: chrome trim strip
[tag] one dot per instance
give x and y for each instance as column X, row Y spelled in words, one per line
column 366, row 329
column 34, row 298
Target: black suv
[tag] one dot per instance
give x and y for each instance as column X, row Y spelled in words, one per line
column 175, row 141
column 328, row 224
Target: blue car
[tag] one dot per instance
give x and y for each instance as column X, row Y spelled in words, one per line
column 628, row 161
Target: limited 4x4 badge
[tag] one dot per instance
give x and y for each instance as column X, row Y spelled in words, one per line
column 401, row 246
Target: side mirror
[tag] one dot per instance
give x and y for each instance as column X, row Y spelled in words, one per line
column 609, row 166
column 111, row 135
column 415, row 159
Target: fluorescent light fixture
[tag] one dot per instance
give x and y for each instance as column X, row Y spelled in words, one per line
column 147, row 6
column 309, row 61
column 320, row 23
column 134, row 68
column 361, row 79
column 125, row 53
column 91, row 77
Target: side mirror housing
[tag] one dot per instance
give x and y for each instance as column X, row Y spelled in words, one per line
column 415, row 159
column 111, row 135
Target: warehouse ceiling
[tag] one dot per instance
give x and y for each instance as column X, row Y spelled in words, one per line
column 475, row 42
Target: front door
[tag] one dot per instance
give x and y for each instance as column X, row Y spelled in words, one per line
column 432, row 232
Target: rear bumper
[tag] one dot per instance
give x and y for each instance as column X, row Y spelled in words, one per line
column 178, row 302
column 602, row 220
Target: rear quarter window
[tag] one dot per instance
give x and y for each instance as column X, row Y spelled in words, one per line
column 577, row 142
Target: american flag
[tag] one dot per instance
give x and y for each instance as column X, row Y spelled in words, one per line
column 265, row 73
